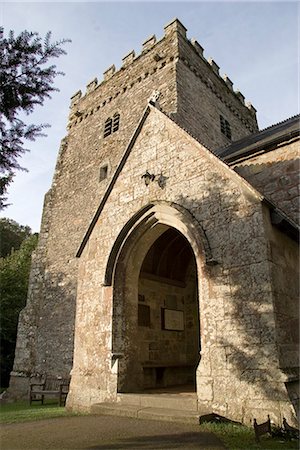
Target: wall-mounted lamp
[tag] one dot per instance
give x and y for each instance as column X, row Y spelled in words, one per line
column 148, row 177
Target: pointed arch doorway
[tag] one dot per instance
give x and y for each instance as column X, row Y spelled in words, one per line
column 156, row 326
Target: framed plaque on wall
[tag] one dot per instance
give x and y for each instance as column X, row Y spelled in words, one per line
column 172, row 319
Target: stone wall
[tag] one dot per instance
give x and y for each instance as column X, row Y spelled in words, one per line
column 276, row 175
column 70, row 205
column 239, row 373
column 285, row 280
column 203, row 96
column 46, row 328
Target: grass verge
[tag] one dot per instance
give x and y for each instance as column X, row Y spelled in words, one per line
column 234, row 437
column 22, row 412
column 237, row 437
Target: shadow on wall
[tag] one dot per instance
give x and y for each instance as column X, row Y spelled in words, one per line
column 239, row 318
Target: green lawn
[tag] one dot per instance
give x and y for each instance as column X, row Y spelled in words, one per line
column 234, row 437
column 22, row 412
column 237, row 437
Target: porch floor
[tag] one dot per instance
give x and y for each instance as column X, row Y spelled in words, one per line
column 173, row 404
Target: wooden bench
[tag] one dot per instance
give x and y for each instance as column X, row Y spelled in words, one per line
column 262, row 428
column 160, row 370
column 290, row 432
column 52, row 387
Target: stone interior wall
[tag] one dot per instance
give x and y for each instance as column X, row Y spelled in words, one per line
column 276, row 175
column 163, row 348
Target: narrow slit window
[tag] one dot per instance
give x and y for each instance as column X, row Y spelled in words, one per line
column 103, row 172
column 227, row 129
column 222, row 124
column 107, row 127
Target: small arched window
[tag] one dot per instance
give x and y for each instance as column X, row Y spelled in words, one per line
column 116, row 122
column 107, row 127
column 225, row 127
column 111, row 125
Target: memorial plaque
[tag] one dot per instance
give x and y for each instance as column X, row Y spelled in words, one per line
column 172, row 320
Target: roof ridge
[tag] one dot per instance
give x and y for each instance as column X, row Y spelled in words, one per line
column 279, row 123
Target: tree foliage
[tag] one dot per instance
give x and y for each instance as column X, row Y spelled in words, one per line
column 14, row 277
column 11, row 236
column 26, row 80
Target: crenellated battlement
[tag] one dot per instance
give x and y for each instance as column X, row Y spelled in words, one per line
column 159, row 61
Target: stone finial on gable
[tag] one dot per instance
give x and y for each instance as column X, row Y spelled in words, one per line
column 214, row 65
column 148, row 43
column 109, row 72
column 175, row 25
column 153, row 99
column 128, row 58
column 197, row 47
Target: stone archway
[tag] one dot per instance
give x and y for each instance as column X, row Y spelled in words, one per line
column 155, row 272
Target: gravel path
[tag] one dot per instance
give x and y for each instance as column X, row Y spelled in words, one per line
column 104, row 433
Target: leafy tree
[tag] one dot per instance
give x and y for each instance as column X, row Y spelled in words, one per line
column 14, row 277
column 25, row 82
column 11, row 236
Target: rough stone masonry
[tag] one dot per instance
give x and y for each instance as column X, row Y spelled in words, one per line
column 165, row 256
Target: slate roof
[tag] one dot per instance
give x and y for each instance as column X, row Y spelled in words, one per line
column 262, row 141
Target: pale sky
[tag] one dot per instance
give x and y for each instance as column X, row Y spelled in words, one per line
column 254, row 43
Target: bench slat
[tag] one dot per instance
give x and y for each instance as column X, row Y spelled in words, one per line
column 52, row 387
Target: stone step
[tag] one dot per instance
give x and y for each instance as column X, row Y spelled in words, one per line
column 175, row 401
column 169, row 415
column 138, row 412
column 115, row 409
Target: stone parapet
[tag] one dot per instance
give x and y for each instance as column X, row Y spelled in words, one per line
column 91, row 85
column 128, row 59
column 175, row 26
column 214, row 66
column 109, row 72
column 199, row 49
column 149, row 43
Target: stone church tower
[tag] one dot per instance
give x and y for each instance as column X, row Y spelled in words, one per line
column 157, row 253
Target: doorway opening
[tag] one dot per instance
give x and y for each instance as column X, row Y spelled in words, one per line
column 160, row 314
